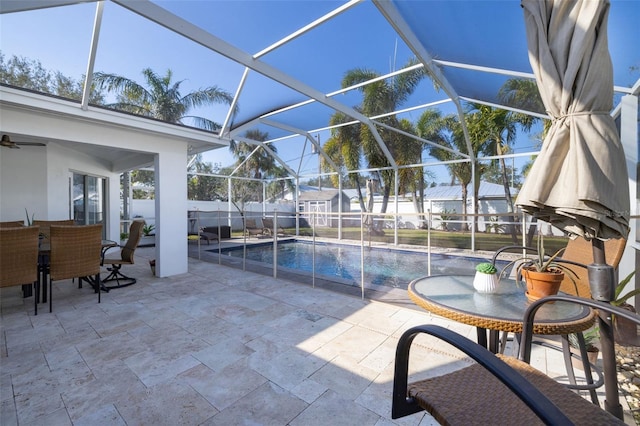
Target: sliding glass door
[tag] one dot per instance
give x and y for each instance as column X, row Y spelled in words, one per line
column 88, row 199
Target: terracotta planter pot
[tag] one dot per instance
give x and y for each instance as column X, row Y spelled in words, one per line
column 592, row 355
column 542, row 284
column 625, row 331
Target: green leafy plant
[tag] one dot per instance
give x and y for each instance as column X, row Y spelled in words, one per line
column 29, row 219
column 494, row 226
column 591, row 337
column 445, row 216
column 618, row 299
column 486, row 268
column 148, row 229
column 541, row 262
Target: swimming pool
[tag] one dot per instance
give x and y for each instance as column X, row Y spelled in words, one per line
column 339, row 262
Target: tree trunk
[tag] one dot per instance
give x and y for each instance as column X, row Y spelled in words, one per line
column 507, row 194
column 464, row 226
column 531, row 233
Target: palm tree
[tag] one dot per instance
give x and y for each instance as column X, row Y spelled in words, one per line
column 381, row 97
column 343, row 148
column 524, row 94
column 447, row 132
column 496, row 130
column 255, row 162
column 409, row 151
column 200, row 186
column 161, row 97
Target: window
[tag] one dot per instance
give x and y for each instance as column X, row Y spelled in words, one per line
column 88, row 199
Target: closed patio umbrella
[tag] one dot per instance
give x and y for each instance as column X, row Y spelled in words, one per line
column 579, row 182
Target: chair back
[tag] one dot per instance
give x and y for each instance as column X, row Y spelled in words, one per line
column 12, row 224
column 18, row 255
column 135, row 233
column 251, row 224
column 75, row 251
column 581, row 251
column 45, row 225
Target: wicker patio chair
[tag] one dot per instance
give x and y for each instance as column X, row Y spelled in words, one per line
column 124, row 257
column 76, row 252
column 209, row 233
column 497, row 388
column 45, row 225
column 578, row 254
column 251, row 228
column 19, row 258
column 12, row 224
column 267, row 229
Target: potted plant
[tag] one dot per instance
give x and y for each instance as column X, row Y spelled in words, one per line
column 591, row 338
column 148, row 237
column 485, row 280
column 542, row 274
column 626, row 332
column 147, row 230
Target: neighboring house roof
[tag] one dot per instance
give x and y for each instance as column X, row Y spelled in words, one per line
column 454, row 192
column 487, row 190
column 315, row 195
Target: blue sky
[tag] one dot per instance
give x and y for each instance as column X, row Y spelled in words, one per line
column 60, row 39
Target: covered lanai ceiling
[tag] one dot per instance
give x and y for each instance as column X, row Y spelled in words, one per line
column 284, row 61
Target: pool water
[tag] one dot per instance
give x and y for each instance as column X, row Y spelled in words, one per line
column 383, row 267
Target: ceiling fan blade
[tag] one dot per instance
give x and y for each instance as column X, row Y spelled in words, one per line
column 30, row 144
column 8, row 143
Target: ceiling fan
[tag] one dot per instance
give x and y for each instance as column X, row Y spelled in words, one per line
column 8, row 143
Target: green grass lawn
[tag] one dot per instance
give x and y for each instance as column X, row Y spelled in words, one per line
column 443, row 239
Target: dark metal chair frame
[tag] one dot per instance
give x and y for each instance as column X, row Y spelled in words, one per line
column 533, row 396
column 125, row 258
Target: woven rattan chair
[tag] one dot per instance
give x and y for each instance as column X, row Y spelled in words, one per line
column 19, row 258
column 124, row 257
column 251, row 228
column 578, row 254
column 12, row 224
column 497, row 388
column 45, row 225
column 267, row 224
column 76, row 252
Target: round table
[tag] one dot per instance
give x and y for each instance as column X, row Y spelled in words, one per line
column 453, row 297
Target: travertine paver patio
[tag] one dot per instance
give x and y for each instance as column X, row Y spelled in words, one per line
column 215, row 346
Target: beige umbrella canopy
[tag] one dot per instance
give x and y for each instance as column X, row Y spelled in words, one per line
column 579, row 182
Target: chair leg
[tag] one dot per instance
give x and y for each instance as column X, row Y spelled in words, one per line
column 50, row 295
column 36, row 298
column 117, row 276
column 98, row 285
column 566, row 351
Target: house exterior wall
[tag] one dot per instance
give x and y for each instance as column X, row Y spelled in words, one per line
column 43, row 173
column 409, row 219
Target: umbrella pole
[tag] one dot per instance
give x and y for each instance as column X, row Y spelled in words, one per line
column 601, row 281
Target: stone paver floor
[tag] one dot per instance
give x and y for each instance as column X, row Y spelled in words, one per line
column 215, row 346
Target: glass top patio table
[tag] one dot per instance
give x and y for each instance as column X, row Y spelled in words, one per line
column 453, row 297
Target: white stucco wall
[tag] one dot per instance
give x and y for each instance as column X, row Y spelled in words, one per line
column 38, row 179
column 23, row 183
